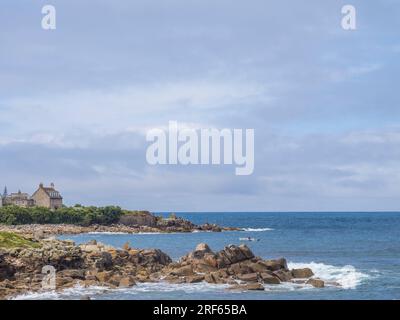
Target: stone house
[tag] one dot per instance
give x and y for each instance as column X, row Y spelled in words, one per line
column 47, row 197
column 19, row 199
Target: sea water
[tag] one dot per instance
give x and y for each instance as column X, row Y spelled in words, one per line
column 359, row 251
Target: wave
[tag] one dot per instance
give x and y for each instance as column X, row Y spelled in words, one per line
column 78, row 291
column 348, row 277
column 257, row 229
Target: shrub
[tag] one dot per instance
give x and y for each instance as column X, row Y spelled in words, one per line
column 12, row 215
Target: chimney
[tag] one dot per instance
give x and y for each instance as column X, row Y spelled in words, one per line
column 41, row 185
column 52, row 185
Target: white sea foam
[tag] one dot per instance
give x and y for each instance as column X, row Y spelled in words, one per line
column 168, row 287
column 257, row 229
column 79, row 291
column 348, row 277
column 75, row 292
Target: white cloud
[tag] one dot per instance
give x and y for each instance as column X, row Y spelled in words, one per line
column 347, row 73
column 117, row 110
column 372, row 137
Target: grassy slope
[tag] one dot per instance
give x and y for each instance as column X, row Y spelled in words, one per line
column 9, row 240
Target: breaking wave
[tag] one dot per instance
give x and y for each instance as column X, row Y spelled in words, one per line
column 257, row 229
column 348, row 277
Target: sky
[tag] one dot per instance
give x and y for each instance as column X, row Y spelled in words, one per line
column 76, row 102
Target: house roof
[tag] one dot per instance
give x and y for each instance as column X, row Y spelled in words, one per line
column 18, row 195
column 52, row 193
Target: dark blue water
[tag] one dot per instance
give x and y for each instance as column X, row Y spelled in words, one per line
column 361, row 251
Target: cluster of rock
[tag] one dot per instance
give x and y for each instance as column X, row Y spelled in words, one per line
column 237, row 266
column 97, row 264
column 89, row 264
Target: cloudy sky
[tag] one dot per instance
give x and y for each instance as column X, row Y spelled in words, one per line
column 76, row 102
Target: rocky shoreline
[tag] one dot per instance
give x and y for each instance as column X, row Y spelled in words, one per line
column 96, row 264
column 40, row 231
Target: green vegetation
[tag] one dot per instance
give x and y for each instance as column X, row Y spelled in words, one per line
column 78, row 215
column 9, row 240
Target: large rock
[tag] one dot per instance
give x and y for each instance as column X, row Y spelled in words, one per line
column 103, row 276
column 203, row 247
column 126, row 282
column 283, row 276
column 240, row 268
column 302, row 273
column 198, row 254
column 210, row 278
column 142, row 218
column 183, row 271
column 194, row 279
column 215, row 277
column 246, row 251
column 250, row 277
column 64, row 282
column 269, row 279
column 233, row 254
column 103, row 261
column 258, row 266
column 74, row 274
column 211, row 260
column 275, row 265
column 203, row 256
column 155, row 256
column 317, row 283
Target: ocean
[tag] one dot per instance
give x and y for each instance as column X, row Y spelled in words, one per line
column 360, row 251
